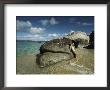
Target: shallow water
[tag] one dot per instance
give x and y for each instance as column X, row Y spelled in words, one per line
column 26, row 61
column 27, row 47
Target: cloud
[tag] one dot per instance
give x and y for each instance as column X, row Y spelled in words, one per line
column 51, row 21
column 44, row 22
column 26, row 26
column 35, row 30
column 41, row 37
column 86, row 24
column 54, row 36
column 32, row 37
column 65, row 34
column 72, row 31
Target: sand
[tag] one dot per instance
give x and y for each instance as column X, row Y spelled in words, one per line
column 83, row 64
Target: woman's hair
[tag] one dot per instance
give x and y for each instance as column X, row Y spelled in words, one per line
column 69, row 44
column 73, row 41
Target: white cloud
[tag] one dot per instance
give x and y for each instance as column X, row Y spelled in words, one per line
column 23, row 24
column 32, row 37
column 26, row 26
column 44, row 22
column 35, row 30
column 72, row 31
column 54, row 36
column 65, row 34
column 86, row 24
column 51, row 21
column 41, row 37
column 36, row 38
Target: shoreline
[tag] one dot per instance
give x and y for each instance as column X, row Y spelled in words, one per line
column 83, row 65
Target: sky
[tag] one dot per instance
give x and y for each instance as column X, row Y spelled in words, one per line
column 43, row 28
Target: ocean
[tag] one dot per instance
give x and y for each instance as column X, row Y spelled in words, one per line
column 27, row 47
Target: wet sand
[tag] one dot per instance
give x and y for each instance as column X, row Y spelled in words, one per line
column 83, row 64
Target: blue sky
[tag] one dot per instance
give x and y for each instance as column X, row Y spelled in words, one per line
column 41, row 28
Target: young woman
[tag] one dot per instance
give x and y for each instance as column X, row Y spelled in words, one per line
column 72, row 49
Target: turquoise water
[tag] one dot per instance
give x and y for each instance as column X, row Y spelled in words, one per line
column 27, row 47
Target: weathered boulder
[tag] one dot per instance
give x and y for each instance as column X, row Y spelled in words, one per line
column 79, row 36
column 49, row 58
column 56, row 45
column 91, row 41
column 54, row 51
column 57, row 50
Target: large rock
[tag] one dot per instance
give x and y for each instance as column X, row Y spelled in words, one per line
column 54, row 51
column 56, row 45
column 91, row 41
column 50, row 58
column 57, row 50
column 79, row 36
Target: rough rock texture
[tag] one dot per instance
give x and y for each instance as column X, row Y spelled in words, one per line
column 54, row 51
column 56, row 45
column 91, row 41
column 80, row 37
column 49, row 58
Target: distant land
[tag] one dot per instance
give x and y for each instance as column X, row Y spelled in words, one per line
column 30, row 41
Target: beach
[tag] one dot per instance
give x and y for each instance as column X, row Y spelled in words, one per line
column 26, row 61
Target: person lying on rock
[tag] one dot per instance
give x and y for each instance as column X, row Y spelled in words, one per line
column 76, row 43
column 72, row 49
